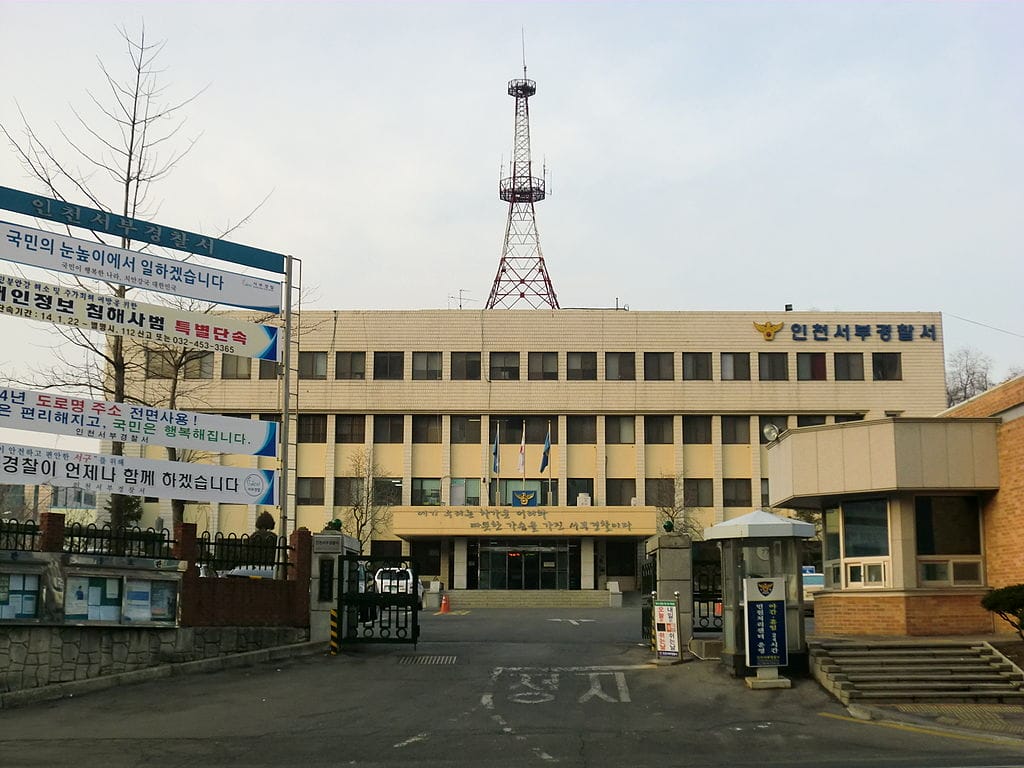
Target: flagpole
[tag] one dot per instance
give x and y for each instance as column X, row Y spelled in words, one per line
column 497, row 464
column 522, row 458
column 549, row 461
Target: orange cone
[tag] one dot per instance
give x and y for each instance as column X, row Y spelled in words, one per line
column 445, row 607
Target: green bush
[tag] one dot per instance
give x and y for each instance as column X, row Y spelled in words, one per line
column 1008, row 604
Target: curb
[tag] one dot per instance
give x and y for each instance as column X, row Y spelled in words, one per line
column 886, row 716
column 200, row 666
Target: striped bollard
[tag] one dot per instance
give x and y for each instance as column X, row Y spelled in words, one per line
column 334, row 632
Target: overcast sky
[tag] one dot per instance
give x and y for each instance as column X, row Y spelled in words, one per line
column 738, row 156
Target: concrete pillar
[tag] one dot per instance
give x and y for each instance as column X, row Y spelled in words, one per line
column 674, row 555
column 461, row 563
column 587, row 563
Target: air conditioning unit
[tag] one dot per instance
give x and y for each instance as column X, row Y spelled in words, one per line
column 583, row 500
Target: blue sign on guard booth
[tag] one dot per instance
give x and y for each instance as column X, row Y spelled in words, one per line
column 765, row 622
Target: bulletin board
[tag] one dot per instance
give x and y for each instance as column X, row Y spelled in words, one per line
column 19, row 595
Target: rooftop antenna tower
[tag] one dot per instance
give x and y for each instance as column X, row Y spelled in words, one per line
column 522, row 278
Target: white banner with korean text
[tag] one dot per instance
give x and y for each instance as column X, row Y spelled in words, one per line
column 28, row 465
column 34, row 300
column 58, row 414
column 97, row 261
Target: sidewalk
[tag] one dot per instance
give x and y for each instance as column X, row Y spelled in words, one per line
column 1001, row 721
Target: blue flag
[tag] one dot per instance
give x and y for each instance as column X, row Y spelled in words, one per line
column 547, row 451
column 496, row 451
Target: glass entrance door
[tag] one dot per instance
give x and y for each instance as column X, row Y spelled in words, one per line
column 517, row 564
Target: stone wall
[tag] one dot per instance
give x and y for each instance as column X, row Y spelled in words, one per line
column 36, row 656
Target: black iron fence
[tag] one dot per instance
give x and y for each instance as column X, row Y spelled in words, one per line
column 255, row 554
column 122, row 541
column 15, row 534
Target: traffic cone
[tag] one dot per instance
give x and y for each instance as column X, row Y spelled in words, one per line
column 445, row 607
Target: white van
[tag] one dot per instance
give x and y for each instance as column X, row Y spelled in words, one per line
column 398, row 581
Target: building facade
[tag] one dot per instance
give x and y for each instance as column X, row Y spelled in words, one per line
column 647, row 414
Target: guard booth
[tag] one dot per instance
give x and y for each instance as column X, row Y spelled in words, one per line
column 760, row 545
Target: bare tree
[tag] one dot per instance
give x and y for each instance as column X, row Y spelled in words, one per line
column 369, row 513
column 968, row 373
column 676, row 512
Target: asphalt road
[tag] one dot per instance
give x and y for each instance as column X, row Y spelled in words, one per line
column 502, row 688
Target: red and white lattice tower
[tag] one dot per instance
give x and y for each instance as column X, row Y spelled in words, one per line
column 522, row 277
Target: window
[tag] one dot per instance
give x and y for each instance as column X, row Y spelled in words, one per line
column 426, row 428
column 619, row 430
column 620, row 492
column 810, row 421
column 235, row 366
column 199, row 365
column 660, row 491
column 426, row 366
column 658, row 366
column 698, row 492
column 697, row 430
column 736, row 492
column 865, row 528
column 504, row 366
column 780, row 422
column 159, row 364
column 582, row 430
column 387, row 490
column 426, row 553
column 269, row 370
column 312, row 365
column 465, row 430
column 849, row 366
column 349, row 428
column 426, row 491
column 389, row 428
column 465, row 491
column 885, row 366
column 842, row 418
column 348, row 491
column 581, row 366
column 309, row 490
column 543, row 366
column 619, row 366
column 658, row 430
column 576, row 486
column 736, row 430
column 350, row 365
column 774, row 366
column 947, row 525
column 735, row 366
column 810, row 366
column 388, row 366
column 312, row 428
column 537, row 429
column 465, row 366
column 696, row 366
column 764, row 493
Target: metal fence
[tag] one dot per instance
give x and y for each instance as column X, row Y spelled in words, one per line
column 122, row 541
column 18, row 535
column 255, row 554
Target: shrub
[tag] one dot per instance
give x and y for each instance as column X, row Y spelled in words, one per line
column 1008, row 604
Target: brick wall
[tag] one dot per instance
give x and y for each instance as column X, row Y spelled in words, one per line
column 895, row 614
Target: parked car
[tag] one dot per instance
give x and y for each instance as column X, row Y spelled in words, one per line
column 398, row 581
column 813, row 582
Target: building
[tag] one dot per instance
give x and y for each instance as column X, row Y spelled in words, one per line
column 647, row 412
column 922, row 516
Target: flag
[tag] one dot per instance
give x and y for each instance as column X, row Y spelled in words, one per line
column 547, row 451
column 522, row 452
column 496, row 467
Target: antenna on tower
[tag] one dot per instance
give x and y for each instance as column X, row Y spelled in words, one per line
column 522, row 276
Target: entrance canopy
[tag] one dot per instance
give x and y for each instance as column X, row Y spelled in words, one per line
column 760, row 525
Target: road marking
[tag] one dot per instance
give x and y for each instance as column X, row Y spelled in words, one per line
column 412, row 740
column 574, row 622
column 919, row 729
column 453, row 613
column 597, row 691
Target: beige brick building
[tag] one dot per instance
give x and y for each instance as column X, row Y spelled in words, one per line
column 645, row 410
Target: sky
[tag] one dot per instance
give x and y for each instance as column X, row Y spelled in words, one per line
column 836, row 156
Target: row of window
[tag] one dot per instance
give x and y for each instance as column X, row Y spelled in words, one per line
column 581, row 430
column 465, row 491
column 541, row 366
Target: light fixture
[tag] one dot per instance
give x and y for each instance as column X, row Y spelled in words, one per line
column 770, row 432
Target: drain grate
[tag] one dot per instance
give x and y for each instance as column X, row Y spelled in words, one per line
column 444, row 660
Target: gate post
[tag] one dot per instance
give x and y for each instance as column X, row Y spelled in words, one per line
column 672, row 554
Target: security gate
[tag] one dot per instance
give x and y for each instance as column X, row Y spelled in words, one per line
column 648, row 584
column 707, row 587
column 378, row 600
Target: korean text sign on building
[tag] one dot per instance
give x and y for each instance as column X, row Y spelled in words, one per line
column 27, row 465
column 35, row 300
column 58, row 414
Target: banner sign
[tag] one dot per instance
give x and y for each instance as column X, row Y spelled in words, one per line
column 136, row 229
column 666, row 629
column 34, row 300
column 96, row 261
column 27, row 465
column 765, row 622
column 125, row 423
